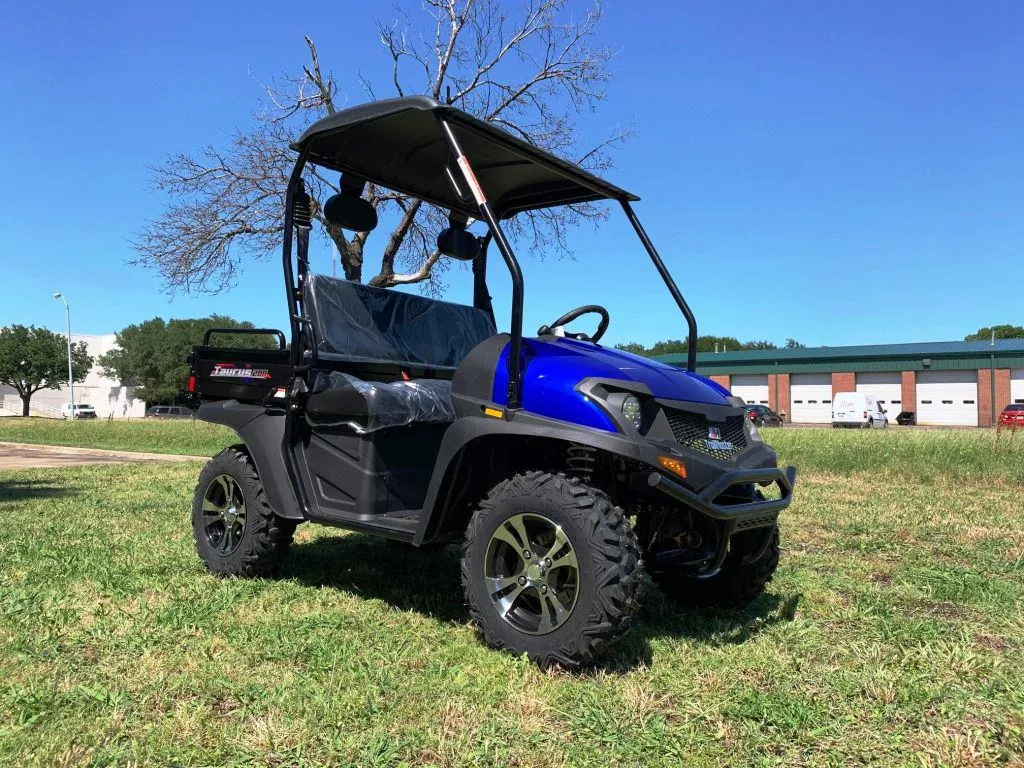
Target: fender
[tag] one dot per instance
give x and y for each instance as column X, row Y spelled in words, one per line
column 465, row 431
column 461, row 436
column 262, row 431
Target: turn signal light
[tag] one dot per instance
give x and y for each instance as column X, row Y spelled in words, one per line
column 673, row 465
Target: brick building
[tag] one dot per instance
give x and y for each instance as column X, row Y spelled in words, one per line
column 948, row 382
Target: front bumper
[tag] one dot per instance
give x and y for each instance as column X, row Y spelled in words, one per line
column 743, row 516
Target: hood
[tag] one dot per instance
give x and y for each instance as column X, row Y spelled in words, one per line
column 664, row 381
column 554, row 366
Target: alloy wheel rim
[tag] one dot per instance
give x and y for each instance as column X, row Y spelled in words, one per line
column 223, row 515
column 532, row 573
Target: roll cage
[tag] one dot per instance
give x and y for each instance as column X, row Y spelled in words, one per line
column 443, row 156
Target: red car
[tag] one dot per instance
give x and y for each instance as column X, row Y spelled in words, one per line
column 1012, row 416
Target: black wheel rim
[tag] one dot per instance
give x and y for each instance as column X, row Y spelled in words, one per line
column 532, row 573
column 223, row 514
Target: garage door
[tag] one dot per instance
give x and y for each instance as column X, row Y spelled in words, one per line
column 947, row 397
column 1017, row 385
column 886, row 387
column 752, row 388
column 811, row 394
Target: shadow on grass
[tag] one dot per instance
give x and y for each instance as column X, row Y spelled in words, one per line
column 427, row 581
column 26, row 490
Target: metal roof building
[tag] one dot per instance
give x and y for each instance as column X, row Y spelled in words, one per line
column 944, row 382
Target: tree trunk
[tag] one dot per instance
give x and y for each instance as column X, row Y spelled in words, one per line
column 25, row 400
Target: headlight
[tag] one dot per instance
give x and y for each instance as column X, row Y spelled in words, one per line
column 631, row 410
column 753, row 436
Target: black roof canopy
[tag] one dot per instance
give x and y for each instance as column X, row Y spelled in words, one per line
column 398, row 143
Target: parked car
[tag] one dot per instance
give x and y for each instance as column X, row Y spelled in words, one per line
column 857, row 409
column 82, row 411
column 1012, row 416
column 763, row 416
column 169, row 412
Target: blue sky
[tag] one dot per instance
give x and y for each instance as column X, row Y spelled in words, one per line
column 785, row 153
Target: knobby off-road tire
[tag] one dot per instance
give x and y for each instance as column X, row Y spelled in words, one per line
column 230, row 496
column 570, row 610
column 737, row 584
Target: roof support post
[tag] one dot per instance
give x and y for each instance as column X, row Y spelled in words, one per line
column 691, row 321
column 290, row 287
column 487, row 213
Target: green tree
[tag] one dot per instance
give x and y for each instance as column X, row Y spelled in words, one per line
column 151, row 355
column 763, row 344
column 1001, row 331
column 794, row 344
column 34, row 358
column 632, row 346
column 704, row 344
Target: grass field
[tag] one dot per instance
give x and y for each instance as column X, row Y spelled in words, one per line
column 185, row 436
column 891, row 634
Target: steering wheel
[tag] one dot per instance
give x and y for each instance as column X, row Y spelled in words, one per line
column 568, row 317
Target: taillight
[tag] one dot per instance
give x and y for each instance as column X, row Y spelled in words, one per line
column 191, row 384
column 752, row 415
column 865, row 414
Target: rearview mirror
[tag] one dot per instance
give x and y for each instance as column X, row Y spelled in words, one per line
column 349, row 211
column 458, row 244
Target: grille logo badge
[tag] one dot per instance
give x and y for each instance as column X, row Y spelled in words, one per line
column 715, row 442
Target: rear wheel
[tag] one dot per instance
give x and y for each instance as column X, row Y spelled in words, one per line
column 550, row 568
column 236, row 532
column 750, row 565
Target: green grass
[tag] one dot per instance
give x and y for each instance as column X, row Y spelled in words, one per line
column 187, row 437
column 891, row 635
column 921, row 455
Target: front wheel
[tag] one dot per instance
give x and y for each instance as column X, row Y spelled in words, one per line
column 750, row 565
column 236, row 531
column 550, row 568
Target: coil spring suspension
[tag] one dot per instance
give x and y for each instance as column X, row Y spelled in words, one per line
column 580, row 462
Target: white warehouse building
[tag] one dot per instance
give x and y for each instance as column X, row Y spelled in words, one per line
column 106, row 395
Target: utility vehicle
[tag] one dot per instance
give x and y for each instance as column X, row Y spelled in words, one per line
column 561, row 466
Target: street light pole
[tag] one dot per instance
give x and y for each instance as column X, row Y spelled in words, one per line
column 71, row 377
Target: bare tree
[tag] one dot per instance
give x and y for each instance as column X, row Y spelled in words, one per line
column 532, row 71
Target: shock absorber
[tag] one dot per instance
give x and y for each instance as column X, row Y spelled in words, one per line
column 580, row 461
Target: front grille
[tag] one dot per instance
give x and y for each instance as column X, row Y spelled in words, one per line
column 691, row 430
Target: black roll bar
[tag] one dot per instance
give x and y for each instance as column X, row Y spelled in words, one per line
column 515, row 346
column 691, row 321
column 248, row 331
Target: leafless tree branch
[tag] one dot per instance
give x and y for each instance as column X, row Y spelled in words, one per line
column 532, row 70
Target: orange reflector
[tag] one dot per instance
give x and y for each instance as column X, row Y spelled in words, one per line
column 494, row 413
column 675, row 466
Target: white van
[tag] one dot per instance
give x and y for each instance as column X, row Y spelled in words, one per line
column 857, row 409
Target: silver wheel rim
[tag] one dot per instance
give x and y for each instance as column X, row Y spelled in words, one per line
column 223, row 515
column 531, row 573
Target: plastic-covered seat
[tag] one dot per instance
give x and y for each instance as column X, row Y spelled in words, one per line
column 364, row 406
column 381, row 333
column 358, row 323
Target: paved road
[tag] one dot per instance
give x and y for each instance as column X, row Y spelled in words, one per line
column 24, row 456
